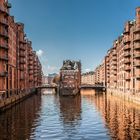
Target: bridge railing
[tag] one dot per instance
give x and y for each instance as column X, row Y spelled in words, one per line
column 92, row 86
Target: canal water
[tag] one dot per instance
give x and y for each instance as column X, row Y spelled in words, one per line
column 91, row 116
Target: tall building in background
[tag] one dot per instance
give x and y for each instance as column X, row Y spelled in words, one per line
column 88, row 78
column 20, row 68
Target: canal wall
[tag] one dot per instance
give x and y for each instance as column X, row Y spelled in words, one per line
column 125, row 95
column 6, row 103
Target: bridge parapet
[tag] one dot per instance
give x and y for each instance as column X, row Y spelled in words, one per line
column 47, row 86
column 96, row 87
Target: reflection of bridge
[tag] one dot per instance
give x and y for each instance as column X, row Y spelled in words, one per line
column 96, row 87
column 47, row 86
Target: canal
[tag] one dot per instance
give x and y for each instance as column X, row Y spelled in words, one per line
column 91, row 116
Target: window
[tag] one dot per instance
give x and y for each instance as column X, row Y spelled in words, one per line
column 138, row 12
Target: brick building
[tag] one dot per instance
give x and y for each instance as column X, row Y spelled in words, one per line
column 88, row 78
column 122, row 62
column 20, row 68
column 4, row 15
column 70, row 77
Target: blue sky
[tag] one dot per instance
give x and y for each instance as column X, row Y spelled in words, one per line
column 73, row 29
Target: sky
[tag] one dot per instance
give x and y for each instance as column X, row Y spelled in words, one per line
column 73, row 29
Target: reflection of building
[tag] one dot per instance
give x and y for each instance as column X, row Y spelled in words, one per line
column 121, row 71
column 70, row 77
column 17, row 123
column 70, row 109
column 121, row 118
column 87, row 92
column 88, row 78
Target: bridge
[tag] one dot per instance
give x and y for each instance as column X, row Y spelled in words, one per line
column 83, row 86
column 96, row 87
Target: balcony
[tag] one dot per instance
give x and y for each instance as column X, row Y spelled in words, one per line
column 30, row 63
column 114, row 63
column 35, row 61
column 115, row 72
column 35, row 74
column 114, row 59
column 21, row 67
column 22, row 61
column 114, row 68
column 22, row 54
column 137, row 75
column 126, row 31
column 4, row 58
column 4, row 34
column 3, row 74
column 35, row 66
column 127, row 68
column 127, row 47
column 22, row 41
column 127, row 61
column 4, row 10
column 137, row 55
column 137, row 30
column 35, row 71
column 137, row 63
column 127, row 54
column 4, row 22
column 31, row 72
column 30, row 58
column 126, row 40
column 4, row 47
column 30, row 54
column 22, row 48
column 114, row 54
column 22, row 78
column 137, row 47
column 127, row 77
column 137, row 38
column 31, row 80
column 31, row 68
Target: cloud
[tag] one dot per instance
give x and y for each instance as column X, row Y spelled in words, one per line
column 47, row 69
column 39, row 53
column 51, row 68
column 87, row 70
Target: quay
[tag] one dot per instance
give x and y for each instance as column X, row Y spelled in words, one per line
column 14, row 98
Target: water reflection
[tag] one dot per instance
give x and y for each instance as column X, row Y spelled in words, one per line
column 48, row 91
column 122, row 118
column 16, row 123
column 70, row 109
column 91, row 116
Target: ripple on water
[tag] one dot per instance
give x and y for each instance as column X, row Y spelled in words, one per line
column 77, row 118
